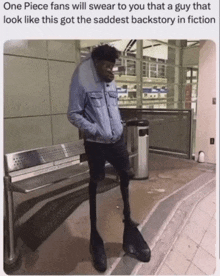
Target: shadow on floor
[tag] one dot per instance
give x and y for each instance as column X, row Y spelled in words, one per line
column 72, row 256
column 46, row 220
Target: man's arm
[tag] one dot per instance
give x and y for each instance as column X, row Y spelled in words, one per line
column 76, row 107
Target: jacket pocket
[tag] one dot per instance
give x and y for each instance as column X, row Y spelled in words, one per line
column 113, row 97
column 96, row 99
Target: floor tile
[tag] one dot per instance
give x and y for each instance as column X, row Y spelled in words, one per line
column 186, row 246
column 204, row 261
column 201, row 218
column 165, row 270
column 212, row 226
column 194, row 232
column 193, row 270
column 177, row 262
column 212, row 197
column 208, row 205
column 209, row 243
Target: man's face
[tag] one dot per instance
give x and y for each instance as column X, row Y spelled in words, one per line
column 104, row 70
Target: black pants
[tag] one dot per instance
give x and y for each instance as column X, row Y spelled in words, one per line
column 117, row 155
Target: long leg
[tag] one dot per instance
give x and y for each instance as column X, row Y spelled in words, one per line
column 133, row 241
column 97, row 249
column 97, row 173
column 124, row 182
column 92, row 205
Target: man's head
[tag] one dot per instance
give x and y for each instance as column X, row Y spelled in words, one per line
column 104, row 57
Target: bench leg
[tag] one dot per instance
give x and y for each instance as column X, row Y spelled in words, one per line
column 10, row 254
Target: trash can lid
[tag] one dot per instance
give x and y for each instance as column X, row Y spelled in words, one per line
column 137, row 123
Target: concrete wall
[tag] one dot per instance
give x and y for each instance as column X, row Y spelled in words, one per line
column 206, row 115
column 37, row 75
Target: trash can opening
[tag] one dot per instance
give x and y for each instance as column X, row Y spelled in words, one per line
column 137, row 123
column 143, row 132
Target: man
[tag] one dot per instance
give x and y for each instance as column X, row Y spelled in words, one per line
column 93, row 108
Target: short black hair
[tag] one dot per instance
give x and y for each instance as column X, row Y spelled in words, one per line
column 105, row 52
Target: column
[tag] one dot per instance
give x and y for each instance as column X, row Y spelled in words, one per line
column 139, row 72
column 175, row 76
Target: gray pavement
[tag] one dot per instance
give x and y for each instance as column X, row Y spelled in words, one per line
column 176, row 209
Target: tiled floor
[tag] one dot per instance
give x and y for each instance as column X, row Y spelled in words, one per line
column 193, row 253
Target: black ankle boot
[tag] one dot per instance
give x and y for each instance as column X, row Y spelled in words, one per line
column 134, row 243
column 97, row 251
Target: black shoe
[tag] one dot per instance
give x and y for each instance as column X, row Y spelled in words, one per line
column 134, row 243
column 98, row 253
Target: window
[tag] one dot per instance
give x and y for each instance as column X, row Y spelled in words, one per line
column 161, row 71
column 153, row 70
column 145, row 69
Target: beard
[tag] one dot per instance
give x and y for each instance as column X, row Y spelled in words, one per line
column 109, row 77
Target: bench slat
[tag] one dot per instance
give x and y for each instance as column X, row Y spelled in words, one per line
column 50, row 178
column 27, row 159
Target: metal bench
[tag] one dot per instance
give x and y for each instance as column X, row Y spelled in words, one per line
column 23, row 160
column 19, row 162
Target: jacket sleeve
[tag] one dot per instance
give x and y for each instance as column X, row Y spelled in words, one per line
column 77, row 97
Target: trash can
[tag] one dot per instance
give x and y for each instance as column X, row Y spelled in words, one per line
column 138, row 147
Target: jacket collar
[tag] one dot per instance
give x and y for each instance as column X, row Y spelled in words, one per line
column 95, row 75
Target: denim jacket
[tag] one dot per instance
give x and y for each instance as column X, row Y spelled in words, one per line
column 93, row 105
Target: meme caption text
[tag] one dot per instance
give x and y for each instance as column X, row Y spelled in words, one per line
column 65, row 14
